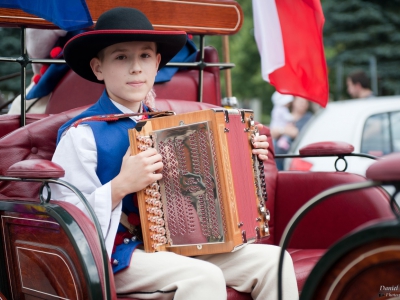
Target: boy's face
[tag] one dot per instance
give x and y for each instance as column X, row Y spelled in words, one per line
column 128, row 70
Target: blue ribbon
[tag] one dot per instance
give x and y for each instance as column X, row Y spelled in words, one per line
column 186, row 54
column 66, row 14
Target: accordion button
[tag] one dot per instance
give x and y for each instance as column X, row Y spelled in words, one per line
column 267, row 215
column 156, row 195
column 126, row 241
column 115, row 262
column 161, row 239
column 155, row 237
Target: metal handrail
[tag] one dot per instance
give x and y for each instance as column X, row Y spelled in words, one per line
column 326, row 155
column 339, row 157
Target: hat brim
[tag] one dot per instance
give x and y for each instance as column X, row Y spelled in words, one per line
column 80, row 50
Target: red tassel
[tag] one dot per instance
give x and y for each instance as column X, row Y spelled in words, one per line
column 55, row 52
column 43, row 69
column 119, row 238
column 135, row 201
column 36, row 78
column 134, row 219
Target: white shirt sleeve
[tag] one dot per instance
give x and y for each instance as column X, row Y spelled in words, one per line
column 76, row 153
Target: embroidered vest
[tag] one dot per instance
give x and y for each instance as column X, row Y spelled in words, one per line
column 112, row 142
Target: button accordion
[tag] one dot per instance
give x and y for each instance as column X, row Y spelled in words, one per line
column 211, row 198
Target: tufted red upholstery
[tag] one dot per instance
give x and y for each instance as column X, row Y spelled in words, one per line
column 37, row 140
column 10, row 123
column 339, row 214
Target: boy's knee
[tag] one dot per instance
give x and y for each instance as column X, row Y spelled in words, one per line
column 211, row 276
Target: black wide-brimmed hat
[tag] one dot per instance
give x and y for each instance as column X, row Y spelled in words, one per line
column 118, row 25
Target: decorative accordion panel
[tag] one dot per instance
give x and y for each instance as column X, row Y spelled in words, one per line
column 194, row 209
column 190, row 187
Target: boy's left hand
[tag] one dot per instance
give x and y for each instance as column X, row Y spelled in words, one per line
column 260, row 145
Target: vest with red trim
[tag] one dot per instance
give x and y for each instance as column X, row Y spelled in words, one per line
column 112, row 142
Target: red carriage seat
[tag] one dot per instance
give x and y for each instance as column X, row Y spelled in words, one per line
column 287, row 192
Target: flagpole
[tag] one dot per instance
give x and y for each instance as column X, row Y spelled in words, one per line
column 228, row 100
column 225, row 52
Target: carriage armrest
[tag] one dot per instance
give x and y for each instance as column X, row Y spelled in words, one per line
column 386, row 169
column 326, row 148
column 35, row 168
column 9, row 123
column 333, row 218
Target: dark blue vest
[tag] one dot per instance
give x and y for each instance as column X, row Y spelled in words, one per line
column 112, row 142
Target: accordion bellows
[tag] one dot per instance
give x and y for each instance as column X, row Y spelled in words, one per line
column 212, row 196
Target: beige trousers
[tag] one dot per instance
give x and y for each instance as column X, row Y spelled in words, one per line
column 165, row 275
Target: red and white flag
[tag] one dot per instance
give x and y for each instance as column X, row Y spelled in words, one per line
column 288, row 34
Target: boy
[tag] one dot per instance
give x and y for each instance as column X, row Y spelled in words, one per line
column 125, row 52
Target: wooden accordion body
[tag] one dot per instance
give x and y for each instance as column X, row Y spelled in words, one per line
column 212, row 196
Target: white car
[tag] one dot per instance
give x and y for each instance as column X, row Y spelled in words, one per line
column 371, row 125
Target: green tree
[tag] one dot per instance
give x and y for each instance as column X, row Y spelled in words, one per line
column 10, row 46
column 357, row 31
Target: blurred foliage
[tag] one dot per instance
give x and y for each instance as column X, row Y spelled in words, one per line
column 10, row 46
column 247, row 82
column 356, row 31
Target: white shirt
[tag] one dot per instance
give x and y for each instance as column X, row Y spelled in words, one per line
column 76, row 153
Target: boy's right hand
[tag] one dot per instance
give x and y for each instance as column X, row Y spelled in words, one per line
column 137, row 172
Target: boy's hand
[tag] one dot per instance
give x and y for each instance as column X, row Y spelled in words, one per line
column 260, row 145
column 137, row 172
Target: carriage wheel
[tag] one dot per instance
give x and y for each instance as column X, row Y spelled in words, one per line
column 363, row 265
